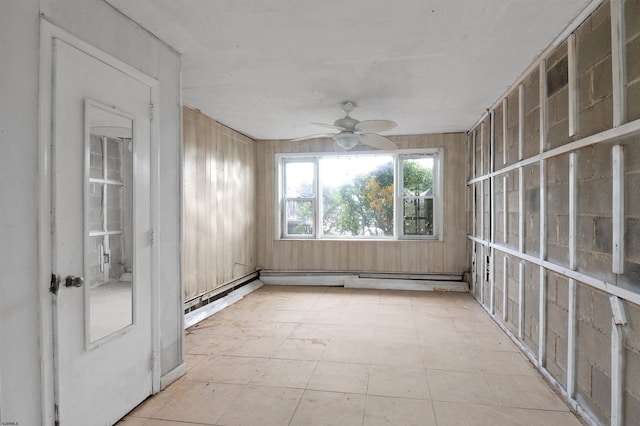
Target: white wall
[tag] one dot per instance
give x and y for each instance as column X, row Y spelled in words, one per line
column 25, row 316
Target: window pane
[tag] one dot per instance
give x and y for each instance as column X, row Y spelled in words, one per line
column 299, row 217
column 95, row 207
column 114, row 159
column 299, row 177
column 417, row 217
column 357, row 196
column 95, row 157
column 417, row 175
column 115, row 206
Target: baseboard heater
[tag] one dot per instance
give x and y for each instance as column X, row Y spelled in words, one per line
column 382, row 281
column 213, row 301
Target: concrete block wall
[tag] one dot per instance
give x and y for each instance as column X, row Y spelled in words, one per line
column 557, row 306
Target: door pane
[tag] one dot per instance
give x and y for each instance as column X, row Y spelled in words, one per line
column 108, row 268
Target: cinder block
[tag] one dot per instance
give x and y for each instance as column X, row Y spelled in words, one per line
column 558, row 134
column 632, row 157
column 585, row 231
column 631, row 277
column 631, row 407
column 601, row 390
column 598, row 265
column 633, row 101
column 561, row 354
column 594, row 44
column 557, row 74
column 583, row 303
column 603, row 234
column 601, row 15
column 594, row 197
column 632, row 238
column 558, row 199
column 601, row 309
column 632, row 17
column 558, row 54
column 563, row 292
column 563, row 229
column 601, row 80
column 632, row 371
column 558, row 254
column 595, row 118
column 585, row 92
column 602, row 160
column 552, row 366
column 595, row 345
column 557, row 320
column 633, row 59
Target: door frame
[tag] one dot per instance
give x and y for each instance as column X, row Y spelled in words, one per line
column 46, row 113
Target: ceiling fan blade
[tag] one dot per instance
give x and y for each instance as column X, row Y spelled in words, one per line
column 377, row 141
column 375, row 125
column 319, row 136
column 330, row 126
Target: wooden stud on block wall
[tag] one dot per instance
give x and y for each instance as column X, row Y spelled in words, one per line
column 618, row 62
column 521, row 300
column 573, row 85
column 521, row 209
column 617, row 360
column 505, row 288
column 505, row 217
column 521, row 122
column 573, row 183
column 571, row 339
column 618, row 209
column 505, row 117
column 544, row 118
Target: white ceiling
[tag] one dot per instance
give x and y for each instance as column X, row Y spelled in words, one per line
column 268, row 68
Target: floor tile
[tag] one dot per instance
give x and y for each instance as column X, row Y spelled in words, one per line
column 503, row 362
column 305, row 355
column 524, row 392
column 262, row 405
column 227, row 369
column 399, row 355
column 201, row 403
column 310, row 349
column 459, row 414
column 340, row 377
column 398, row 381
column 383, row 410
column 457, row 386
column 285, row 373
column 329, row 408
column 348, row 350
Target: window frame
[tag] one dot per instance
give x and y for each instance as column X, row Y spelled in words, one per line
column 436, row 195
column 281, row 159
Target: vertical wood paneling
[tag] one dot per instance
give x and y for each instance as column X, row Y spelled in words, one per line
column 369, row 256
column 219, row 242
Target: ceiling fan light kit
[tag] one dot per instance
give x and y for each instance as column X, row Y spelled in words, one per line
column 352, row 131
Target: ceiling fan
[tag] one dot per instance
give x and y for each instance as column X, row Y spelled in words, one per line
column 351, row 131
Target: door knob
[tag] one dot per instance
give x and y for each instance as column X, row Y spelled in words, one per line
column 72, row 281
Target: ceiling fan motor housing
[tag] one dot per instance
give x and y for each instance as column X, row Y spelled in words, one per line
column 347, row 123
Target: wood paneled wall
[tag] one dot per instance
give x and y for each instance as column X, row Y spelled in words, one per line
column 219, row 208
column 447, row 256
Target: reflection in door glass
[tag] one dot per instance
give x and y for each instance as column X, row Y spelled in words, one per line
column 109, row 254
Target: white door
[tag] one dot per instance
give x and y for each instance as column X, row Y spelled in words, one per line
column 102, row 239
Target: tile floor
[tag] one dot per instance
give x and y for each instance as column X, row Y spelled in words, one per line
column 335, row 356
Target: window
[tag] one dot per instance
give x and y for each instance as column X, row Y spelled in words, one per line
column 360, row 196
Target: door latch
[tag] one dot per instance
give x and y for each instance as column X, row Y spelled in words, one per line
column 55, row 283
column 72, row 281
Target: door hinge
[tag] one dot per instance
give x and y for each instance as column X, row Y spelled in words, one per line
column 56, row 415
column 55, row 283
column 152, row 361
column 151, row 111
column 151, row 237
